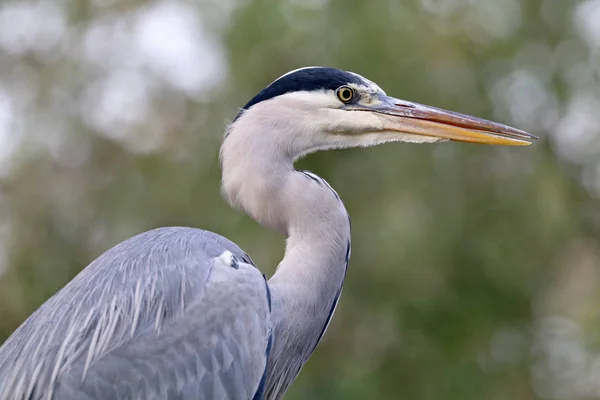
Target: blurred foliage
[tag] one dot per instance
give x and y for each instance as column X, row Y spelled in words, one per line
column 475, row 271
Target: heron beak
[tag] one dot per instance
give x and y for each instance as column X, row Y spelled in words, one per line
column 417, row 119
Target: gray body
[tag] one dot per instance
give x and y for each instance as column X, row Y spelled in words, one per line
column 152, row 328
column 181, row 313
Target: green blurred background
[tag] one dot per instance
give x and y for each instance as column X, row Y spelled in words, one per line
column 475, row 270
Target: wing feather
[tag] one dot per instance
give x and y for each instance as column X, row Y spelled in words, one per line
column 174, row 313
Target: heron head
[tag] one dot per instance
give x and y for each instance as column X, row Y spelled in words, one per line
column 317, row 108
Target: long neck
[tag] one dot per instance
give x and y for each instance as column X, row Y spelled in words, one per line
column 308, row 281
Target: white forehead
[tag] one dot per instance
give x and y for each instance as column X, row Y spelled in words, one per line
column 368, row 83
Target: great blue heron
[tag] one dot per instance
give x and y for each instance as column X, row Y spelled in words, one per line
column 182, row 313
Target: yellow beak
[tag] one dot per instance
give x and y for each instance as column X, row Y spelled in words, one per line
column 417, row 119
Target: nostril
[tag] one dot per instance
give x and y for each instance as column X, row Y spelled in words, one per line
column 405, row 105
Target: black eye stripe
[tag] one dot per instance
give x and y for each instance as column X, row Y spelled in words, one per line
column 307, row 79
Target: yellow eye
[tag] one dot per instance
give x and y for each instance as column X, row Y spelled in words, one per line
column 345, row 94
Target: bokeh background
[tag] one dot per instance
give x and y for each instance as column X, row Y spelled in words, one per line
column 475, row 271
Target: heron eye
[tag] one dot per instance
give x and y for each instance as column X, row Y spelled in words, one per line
column 345, row 94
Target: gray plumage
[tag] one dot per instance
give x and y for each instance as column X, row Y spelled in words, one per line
column 181, row 313
column 142, row 322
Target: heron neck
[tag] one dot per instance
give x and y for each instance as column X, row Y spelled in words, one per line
column 308, row 281
column 300, row 205
column 318, row 229
column 309, row 212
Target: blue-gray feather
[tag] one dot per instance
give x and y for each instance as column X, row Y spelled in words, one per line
column 163, row 315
